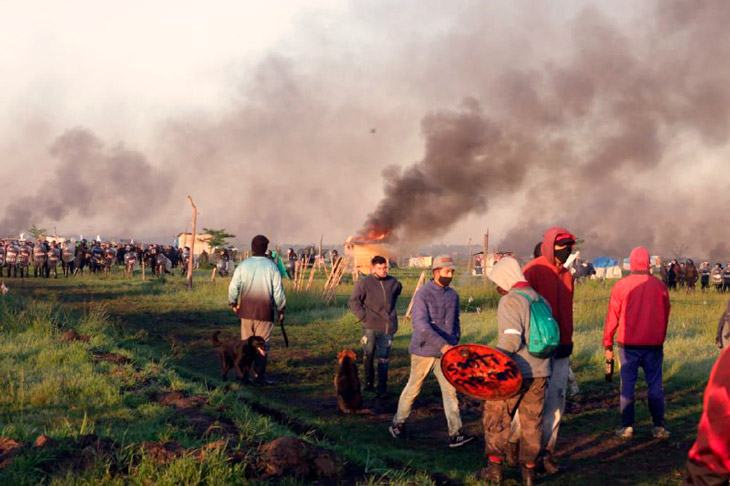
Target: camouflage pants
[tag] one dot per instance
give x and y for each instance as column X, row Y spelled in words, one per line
column 498, row 417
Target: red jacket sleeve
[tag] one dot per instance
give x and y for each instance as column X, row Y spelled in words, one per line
column 613, row 316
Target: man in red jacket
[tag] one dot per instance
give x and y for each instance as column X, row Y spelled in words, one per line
column 709, row 458
column 547, row 275
column 639, row 311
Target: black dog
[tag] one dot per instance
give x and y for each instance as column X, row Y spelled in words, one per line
column 238, row 355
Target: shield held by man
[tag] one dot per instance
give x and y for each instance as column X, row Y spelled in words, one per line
column 481, row 372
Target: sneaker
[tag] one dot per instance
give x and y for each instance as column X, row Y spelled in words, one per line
column 660, row 433
column 460, row 440
column 397, row 430
column 625, row 432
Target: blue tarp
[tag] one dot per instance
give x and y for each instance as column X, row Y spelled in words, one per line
column 604, row 262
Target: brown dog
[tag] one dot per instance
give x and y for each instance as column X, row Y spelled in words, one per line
column 238, row 354
column 347, row 384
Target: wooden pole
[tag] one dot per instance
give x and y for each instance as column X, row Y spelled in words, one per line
column 421, row 279
column 192, row 244
column 484, row 258
column 469, row 262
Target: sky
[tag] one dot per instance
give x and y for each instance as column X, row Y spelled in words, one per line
column 310, row 118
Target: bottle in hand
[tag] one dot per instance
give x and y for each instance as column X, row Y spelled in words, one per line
column 609, row 370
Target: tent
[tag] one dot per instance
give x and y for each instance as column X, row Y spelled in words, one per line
column 606, row 267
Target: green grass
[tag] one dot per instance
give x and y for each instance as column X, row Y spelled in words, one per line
column 59, row 388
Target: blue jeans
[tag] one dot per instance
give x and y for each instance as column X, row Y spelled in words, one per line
column 376, row 344
column 651, row 361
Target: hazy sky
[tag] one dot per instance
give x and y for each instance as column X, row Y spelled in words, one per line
column 280, row 117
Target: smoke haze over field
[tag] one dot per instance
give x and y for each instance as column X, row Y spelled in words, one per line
column 610, row 123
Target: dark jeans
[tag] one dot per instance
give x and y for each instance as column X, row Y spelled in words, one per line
column 376, row 344
column 651, row 362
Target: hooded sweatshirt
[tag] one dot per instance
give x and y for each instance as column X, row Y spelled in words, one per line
column 638, row 308
column 555, row 284
column 712, row 446
column 513, row 318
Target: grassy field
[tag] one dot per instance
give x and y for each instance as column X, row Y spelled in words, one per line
column 105, row 403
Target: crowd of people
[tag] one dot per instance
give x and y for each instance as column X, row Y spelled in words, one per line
column 521, row 429
column 17, row 257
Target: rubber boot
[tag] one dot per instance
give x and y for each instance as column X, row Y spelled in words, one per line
column 369, row 371
column 383, row 377
column 528, row 476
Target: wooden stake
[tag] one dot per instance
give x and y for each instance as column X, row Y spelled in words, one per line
column 212, row 275
column 144, row 278
column 192, row 244
column 421, row 280
column 484, row 258
column 311, row 274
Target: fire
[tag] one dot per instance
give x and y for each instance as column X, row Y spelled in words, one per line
column 370, row 235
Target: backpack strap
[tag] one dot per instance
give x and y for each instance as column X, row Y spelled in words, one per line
column 529, row 299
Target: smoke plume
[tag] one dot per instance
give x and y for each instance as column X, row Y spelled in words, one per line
column 591, row 140
column 91, row 181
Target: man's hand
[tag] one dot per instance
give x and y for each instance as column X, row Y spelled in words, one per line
column 281, row 317
column 608, row 354
column 235, row 308
column 446, row 348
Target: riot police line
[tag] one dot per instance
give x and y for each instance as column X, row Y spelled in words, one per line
column 18, row 257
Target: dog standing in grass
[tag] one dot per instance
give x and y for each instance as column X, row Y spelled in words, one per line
column 238, row 355
column 347, row 384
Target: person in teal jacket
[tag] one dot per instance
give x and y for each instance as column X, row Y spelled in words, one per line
column 254, row 293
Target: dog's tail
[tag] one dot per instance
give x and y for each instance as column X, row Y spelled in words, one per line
column 214, row 339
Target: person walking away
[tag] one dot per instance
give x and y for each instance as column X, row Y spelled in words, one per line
column 722, row 338
column 549, row 278
column 709, row 458
column 254, row 293
column 705, row 275
column 513, row 323
column 638, row 311
column 691, row 275
column 436, row 329
column 373, row 302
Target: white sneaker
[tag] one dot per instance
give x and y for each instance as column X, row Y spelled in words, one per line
column 625, row 432
column 660, row 433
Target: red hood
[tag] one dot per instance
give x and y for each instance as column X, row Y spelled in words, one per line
column 548, row 242
column 639, row 260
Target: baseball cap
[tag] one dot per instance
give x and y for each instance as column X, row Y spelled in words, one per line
column 443, row 261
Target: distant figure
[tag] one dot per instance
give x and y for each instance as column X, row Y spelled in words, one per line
column 716, row 276
column 672, row 275
column 705, row 275
column 726, row 278
column 639, row 311
column 709, row 458
column 691, row 275
column 722, row 338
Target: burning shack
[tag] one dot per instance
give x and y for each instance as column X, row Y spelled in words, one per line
column 362, row 250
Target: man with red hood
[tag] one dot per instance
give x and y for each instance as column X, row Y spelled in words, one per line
column 709, row 458
column 639, row 310
column 549, row 278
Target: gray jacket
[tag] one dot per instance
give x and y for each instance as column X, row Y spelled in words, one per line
column 373, row 302
column 513, row 319
column 513, row 323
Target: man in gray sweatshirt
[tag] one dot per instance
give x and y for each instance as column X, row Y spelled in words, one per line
column 513, row 322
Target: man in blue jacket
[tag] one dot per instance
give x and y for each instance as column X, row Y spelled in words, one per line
column 436, row 329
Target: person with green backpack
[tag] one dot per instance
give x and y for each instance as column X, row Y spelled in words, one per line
column 528, row 334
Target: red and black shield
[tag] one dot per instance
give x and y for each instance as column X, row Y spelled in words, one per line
column 481, row 372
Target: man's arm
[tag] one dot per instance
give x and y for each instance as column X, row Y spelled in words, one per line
column 278, row 290
column 357, row 301
column 234, row 288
